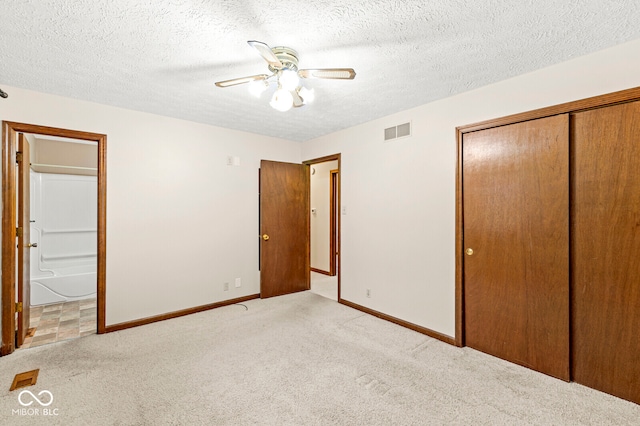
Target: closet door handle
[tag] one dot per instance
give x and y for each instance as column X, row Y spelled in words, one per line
column 469, row 251
column 32, row 245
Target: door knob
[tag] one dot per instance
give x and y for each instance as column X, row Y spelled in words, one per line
column 32, row 245
column 265, row 237
column 469, row 251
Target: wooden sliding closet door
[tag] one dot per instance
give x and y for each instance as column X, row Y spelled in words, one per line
column 605, row 264
column 516, row 240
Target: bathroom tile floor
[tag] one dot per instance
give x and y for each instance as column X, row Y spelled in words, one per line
column 62, row 321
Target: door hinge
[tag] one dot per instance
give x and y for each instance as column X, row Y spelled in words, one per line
column 19, row 232
column 18, row 306
column 18, row 156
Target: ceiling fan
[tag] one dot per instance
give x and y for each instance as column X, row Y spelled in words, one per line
column 283, row 64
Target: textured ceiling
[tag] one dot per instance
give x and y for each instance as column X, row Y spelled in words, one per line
column 163, row 56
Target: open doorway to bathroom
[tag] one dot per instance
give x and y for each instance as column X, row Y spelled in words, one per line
column 63, row 234
column 325, row 225
column 61, row 241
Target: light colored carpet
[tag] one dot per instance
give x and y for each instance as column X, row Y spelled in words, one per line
column 299, row 359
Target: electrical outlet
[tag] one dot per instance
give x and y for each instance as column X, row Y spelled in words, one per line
column 368, row 292
column 225, row 287
column 238, row 282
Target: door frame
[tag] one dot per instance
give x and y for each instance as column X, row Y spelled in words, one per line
column 333, row 219
column 338, row 234
column 23, row 244
column 8, row 291
column 628, row 95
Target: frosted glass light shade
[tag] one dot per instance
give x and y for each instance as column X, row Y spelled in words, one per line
column 289, row 80
column 282, row 100
column 256, row 87
column 307, row 95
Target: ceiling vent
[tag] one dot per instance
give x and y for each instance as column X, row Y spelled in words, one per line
column 396, row 132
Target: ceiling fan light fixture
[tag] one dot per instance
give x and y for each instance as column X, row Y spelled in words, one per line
column 307, row 95
column 289, row 79
column 282, row 100
column 257, row 87
column 282, row 62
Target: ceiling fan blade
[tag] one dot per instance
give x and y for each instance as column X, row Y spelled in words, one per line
column 241, row 80
column 266, row 52
column 331, row 73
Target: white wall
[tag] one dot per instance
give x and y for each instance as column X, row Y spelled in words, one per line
column 398, row 234
column 320, row 183
column 180, row 222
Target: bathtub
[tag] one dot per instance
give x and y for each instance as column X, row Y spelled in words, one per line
column 63, row 288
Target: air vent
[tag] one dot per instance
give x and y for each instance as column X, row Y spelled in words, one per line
column 390, row 133
column 404, row 130
column 395, row 132
column 28, row 378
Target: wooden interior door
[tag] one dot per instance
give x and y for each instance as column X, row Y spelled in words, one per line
column 605, row 270
column 284, row 228
column 23, row 282
column 516, row 240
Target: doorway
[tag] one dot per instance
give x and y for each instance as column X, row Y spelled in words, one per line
column 16, row 289
column 63, row 237
column 325, row 226
column 284, row 251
